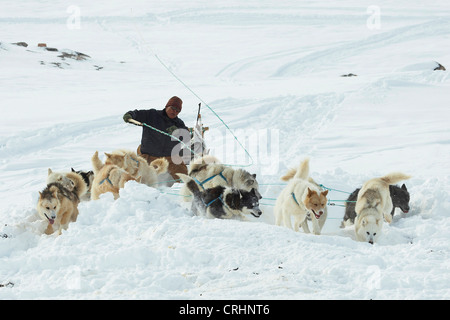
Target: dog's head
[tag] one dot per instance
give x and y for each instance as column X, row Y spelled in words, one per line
column 48, row 204
column 316, row 202
column 124, row 161
column 248, row 181
column 368, row 228
column 400, row 197
column 114, row 158
column 245, row 201
column 60, row 178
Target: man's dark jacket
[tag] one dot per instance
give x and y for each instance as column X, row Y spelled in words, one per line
column 155, row 143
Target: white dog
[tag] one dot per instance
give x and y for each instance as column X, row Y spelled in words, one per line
column 373, row 203
column 300, row 198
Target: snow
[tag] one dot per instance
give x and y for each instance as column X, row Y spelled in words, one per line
column 272, row 71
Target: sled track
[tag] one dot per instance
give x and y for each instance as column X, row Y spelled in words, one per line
column 315, row 60
column 27, row 143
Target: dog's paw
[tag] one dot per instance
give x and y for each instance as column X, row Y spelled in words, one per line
column 388, row 218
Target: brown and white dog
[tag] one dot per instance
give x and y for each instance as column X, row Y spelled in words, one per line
column 58, row 206
column 301, row 198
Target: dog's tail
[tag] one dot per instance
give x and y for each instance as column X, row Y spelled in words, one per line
column 395, row 177
column 193, row 167
column 302, row 172
column 97, row 165
column 289, row 175
column 190, row 183
column 80, row 186
column 372, row 198
column 161, row 165
column 205, row 159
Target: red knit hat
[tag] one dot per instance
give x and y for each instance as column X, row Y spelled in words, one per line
column 175, row 102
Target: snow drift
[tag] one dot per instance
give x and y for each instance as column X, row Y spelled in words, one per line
column 272, row 72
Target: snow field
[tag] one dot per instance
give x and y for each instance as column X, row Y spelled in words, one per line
column 272, row 71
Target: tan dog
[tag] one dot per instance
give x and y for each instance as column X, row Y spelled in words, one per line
column 301, row 198
column 373, row 203
column 137, row 166
column 59, row 206
column 108, row 177
column 71, row 181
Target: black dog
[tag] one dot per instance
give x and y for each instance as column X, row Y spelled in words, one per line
column 399, row 196
column 222, row 202
column 86, row 175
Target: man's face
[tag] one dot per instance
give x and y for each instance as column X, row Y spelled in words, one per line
column 172, row 112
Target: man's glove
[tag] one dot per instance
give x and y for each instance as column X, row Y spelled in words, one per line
column 127, row 117
column 171, row 129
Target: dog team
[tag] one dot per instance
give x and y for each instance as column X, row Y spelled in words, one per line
column 58, row 202
column 303, row 199
column 219, row 191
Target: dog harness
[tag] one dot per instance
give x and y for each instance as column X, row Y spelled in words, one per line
column 107, row 178
column 295, row 199
column 137, row 161
column 308, row 213
column 210, row 178
column 214, row 200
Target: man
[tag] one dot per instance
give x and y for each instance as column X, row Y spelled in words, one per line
column 155, row 144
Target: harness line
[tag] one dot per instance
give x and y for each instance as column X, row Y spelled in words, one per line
column 150, row 51
column 208, row 179
column 214, row 200
column 223, row 122
column 331, row 189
